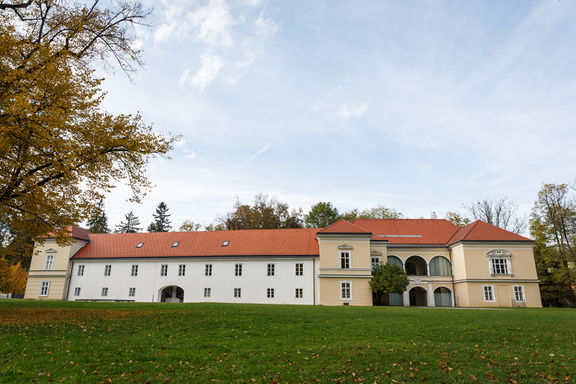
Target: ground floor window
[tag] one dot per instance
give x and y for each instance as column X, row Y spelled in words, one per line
column 299, row 293
column 270, row 293
column 44, row 288
column 345, row 290
column 207, row 292
column 104, row 291
column 132, row 292
column 237, row 292
column 519, row 293
column 77, row 291
column 488, row 292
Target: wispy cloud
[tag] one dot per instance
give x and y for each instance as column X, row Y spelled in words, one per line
column 209, row 69
column 351, row 111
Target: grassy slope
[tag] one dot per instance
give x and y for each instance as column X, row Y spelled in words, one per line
column 98, row 342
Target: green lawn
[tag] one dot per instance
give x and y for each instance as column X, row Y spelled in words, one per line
column 226, row 343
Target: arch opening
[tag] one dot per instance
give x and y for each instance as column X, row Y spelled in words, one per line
column 440, row 266
column 418, row 297
column 416, row 266
column 442, row 297
column 394, row 260
column 172, row 294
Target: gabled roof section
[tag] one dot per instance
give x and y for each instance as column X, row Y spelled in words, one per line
column 261, row 242
column 481, row 231
column 80, row 233
column 410, row 231
column 343, row 227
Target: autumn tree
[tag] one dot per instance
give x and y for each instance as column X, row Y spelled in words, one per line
column 189, row 226
column 59, row 153
column 321, row 215
column 161, row 221
column 501, row 213
column 264, row 213
column 12, row 277
column 130, row 225
column 457, row 219
column 387, row 278
column 98, row 221
column 553, row 227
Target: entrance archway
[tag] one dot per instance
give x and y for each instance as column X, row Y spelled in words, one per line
column 418, row 297
column 442, row 297
column 172, row 294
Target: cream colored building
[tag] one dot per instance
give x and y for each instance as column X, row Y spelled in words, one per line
column 476, row 266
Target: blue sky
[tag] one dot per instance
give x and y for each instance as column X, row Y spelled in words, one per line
column 416, row 105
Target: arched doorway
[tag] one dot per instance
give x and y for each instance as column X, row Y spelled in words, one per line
column 172, row 294
column 418, row 297
column 416, row 266
column 442, row 297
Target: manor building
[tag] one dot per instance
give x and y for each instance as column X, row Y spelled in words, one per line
column 479, row 265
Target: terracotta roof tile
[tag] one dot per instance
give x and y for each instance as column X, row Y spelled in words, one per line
column 481, row 231
column 262, row 242
column 409, row 231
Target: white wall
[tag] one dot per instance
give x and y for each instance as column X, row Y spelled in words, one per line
column 253, row 282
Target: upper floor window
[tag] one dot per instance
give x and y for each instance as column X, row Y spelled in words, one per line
column 134, row 271
column 499, row 266
column 81, row 270
column 299, row 269
column 164, row 270
column 519, row 293
column 208, row 270
column 375, row 260
column 49, row 262
column 44, row 286
column 270, row 269
column 345, row 259
column 107, row 270
column 238, row 270
column 182, row 270
column 440, row 266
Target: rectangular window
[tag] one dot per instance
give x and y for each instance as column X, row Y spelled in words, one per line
column 77, row 291
column 499, row 266
column 207, row 292
column 104, row 291
column 345, row 260
column 49, row 262
column 299, row 293
column 131, row 292
column 238, row 270
column 270, row 293
column 107, row 270
column 299, row 269
column 519, row 293
column 375, row 262
column 488, row 293
column 237, row 292
column 44, row 286
column 345, row 290
column 270, row 269
column 81, row 270
column 182, row 270
column 164, row 270
column 134, row 270
column 208, row 270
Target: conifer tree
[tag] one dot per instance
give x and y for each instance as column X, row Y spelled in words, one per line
column 161, row 222
column 130, row 225
column 98, row 221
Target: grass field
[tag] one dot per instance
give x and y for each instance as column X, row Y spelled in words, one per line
column 182, row 343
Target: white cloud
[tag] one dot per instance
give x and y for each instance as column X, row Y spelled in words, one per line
column 264, row 25
column 211, row 66
column 214, row 23
column 351, row 111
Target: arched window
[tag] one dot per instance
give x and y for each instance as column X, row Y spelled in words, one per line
column 440, row 266
column 442, row 297
column 394, row 260
column 416, row 266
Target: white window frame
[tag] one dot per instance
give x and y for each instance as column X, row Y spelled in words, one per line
column 521, row 291
column 507, row 265
column 375, row 261
column 132, row 292
column 208, row 270
column 343, row 289
column 299, row 269
column 108, row 270
column 270, row 270
column 44, row 288
column 207, row 292
column 163, row 269
column 104, row 292
column 77, row 291
column 49, row 263
column 134, row 270
column 270, row 293
column 238, row 269
column 345, row 259
column 299, row 293
column 237, row 293
column 492, row 293
column 80, row 271
column 182, row 270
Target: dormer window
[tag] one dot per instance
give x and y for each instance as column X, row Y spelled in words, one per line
column 225, row 243
column 139, row 245
column 175, row 244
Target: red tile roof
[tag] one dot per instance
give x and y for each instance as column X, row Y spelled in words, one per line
column 262, row 242
column 80, row 233
column 481, row 231
column 342, row 226
column 409, row 231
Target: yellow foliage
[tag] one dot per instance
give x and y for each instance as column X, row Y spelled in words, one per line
column 12, row 278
